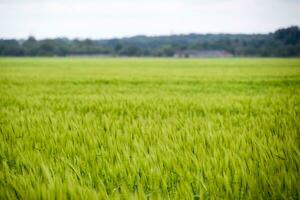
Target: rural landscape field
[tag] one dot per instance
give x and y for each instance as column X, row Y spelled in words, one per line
column 137, row 128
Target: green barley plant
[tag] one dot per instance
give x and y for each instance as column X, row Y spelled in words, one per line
column 136, row 128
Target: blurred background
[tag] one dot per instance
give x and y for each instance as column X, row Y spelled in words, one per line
column 177, row 28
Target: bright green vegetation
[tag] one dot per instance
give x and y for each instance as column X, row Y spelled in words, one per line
column 149, row 128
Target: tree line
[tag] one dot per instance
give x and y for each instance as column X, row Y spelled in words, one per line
column 284, row 42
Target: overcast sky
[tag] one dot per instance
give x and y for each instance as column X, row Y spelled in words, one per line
column 119, row 18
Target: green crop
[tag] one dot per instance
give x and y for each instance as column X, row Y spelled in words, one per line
column 86, row 128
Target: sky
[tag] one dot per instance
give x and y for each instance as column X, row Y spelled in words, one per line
column 100, row 19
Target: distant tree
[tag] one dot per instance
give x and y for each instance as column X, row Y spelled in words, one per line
column 31, row 46
column 289, row 35
column 166, row 50
column 284, row 43
column 11, row 48
column 130, row 50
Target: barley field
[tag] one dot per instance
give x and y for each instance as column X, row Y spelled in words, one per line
column 90, row 128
